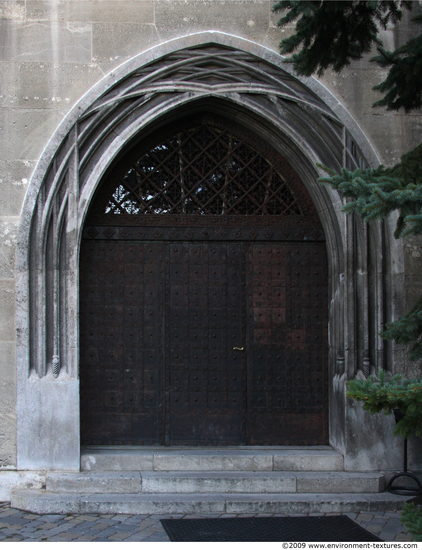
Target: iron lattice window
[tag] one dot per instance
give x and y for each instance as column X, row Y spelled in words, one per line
column 204, row 170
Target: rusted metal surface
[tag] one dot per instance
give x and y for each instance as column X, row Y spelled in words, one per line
column 160, row 324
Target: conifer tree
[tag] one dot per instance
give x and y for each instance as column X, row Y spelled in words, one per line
column 331, row 35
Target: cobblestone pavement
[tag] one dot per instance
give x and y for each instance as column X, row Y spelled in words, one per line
column 16, row 525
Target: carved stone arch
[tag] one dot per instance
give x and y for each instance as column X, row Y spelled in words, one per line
column 204, row 71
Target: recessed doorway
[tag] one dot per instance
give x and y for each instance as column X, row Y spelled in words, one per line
column 203, row 301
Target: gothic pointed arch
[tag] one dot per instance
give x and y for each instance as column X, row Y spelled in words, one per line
column 229, row 76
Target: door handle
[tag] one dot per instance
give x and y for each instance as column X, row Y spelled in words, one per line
column 239, row 349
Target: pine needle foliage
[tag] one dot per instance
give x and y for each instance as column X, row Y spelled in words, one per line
column 379, row 395
column 403, row 85
column 408, row 331
column 411, row 517
column 376, row 193
column 332, row 34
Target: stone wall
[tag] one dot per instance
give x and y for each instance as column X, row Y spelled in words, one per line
column 52, row 52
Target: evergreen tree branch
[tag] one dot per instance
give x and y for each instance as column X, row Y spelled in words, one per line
column 332, row 34
column 411, row 517
column 403, row 85
column 379, row 395
column 408, row 330
column 376, row 193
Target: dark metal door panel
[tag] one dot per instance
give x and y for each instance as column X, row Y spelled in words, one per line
column 206, row 378
column 159, row 324
column 287, row 344
column 121, row 317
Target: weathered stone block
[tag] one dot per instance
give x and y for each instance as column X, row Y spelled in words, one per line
column 160, row 504
column 49, row 437
column 40, row 85
column 205, row 461
column 7, row 317
column 10, row 481
column 57, row 42
column 109, row 460
column 8, row 364
column 218, row 482
column 248, row 19
column 112, row 43
column 141, row 11
column 23, row 133
column 40, row 503
column 8, row 235
column 7, row 424
column 366, row 452
column 354, row 88
column 313, row 503
column 394, row 134
column 317, row 460
column 55, row 503
column 14, row 178
column 412, row 249
column 275, row 35
column 109, row 482
column 339, row 482
column 12, row 9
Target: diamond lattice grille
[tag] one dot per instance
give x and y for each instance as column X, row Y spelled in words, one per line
column 203, row 171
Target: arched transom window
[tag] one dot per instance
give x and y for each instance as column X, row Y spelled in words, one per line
column 205, row 169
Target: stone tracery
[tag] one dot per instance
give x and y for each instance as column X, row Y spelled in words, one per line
column 202, row 71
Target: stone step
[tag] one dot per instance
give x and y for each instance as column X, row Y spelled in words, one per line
column 42, row 502
column 93, row 482
column 313, row 459
column 214, row 482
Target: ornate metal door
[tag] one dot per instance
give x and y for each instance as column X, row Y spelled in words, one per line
column 203, row 343
column 203, row 308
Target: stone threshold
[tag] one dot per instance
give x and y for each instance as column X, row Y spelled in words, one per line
column 154, row 458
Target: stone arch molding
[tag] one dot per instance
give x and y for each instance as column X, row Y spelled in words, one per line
column 300, row 116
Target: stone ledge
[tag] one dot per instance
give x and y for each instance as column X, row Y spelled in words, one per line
column 339, row 482
column 215, row 482
column 218, row 482
column 40, row 502
column 107, row 482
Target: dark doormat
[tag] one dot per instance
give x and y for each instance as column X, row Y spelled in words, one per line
column 296, row 529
